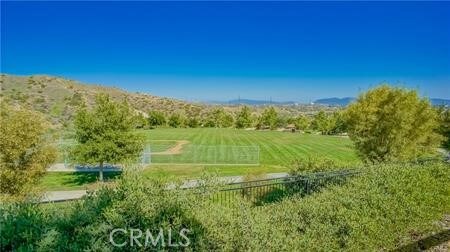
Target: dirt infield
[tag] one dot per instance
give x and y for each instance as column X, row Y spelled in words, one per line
column 177, row 149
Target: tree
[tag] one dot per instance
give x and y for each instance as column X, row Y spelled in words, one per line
column 176, row 120
column 226, row 120
column 193, row 122
column 302, row 122
column 338, row 123
column 25, row 151
column 282, row 121
column 156, row 118
column 392, row 124
column 106, row 134
column 219, row 118
column 141, row 122
column 269, row 118
column 444, row 128
column 244, row 119
column 323, row 123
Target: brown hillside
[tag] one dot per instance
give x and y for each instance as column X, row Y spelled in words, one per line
column 58, row 97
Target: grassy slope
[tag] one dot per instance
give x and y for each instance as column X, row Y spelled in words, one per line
column 277, row 151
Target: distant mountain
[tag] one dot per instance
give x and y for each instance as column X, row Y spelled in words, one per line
column 252, row 102
column 335, row 101
column 346, row 100
column 440, row 102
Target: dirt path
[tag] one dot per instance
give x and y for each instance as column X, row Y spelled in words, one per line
column 177, row 149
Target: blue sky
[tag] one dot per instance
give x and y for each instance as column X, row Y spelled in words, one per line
column 221, row 50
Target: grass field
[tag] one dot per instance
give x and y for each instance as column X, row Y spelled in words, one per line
column 277, row 150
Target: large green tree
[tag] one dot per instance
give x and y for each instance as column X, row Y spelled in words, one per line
column 25, row 149
column 105, row 134
column 243, row 119
column 392, row 124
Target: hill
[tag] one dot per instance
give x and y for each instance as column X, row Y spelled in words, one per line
column 257, row 102
column 335, row 101
column 342, row 102
column 58, row 98
column 440, row 102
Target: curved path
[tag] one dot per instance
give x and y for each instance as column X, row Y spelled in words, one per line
column 177, row 149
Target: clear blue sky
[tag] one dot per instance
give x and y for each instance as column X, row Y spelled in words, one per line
column 220, row 50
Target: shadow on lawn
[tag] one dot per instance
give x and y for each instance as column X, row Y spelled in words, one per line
column 85, row 178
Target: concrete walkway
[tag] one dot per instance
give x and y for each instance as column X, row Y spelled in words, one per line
column 445, row 153
column 61, row 167
column 58, row 196
column 226, row 180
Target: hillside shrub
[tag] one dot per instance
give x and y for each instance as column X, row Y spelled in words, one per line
column 176, row 120
column 193, row 122
column 383, row 208
column 156, row 118
column 315, row 164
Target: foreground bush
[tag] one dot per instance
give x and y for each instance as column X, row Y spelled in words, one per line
column 25, row 150
column 383, row 208
column 312, row 164
column 380, row 209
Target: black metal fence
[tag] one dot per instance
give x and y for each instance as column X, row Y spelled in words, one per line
column 264, row 191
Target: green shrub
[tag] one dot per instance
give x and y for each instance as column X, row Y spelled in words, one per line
column 315, row 164
column 374, row 211
column 86, row 224
column 25, row 151
column 379, row 210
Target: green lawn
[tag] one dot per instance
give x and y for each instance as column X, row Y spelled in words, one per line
column 231, row 148
column 72, row 181
column 276, row 148
column 161, row 145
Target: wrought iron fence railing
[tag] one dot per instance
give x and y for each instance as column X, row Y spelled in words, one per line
column 271, row 190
